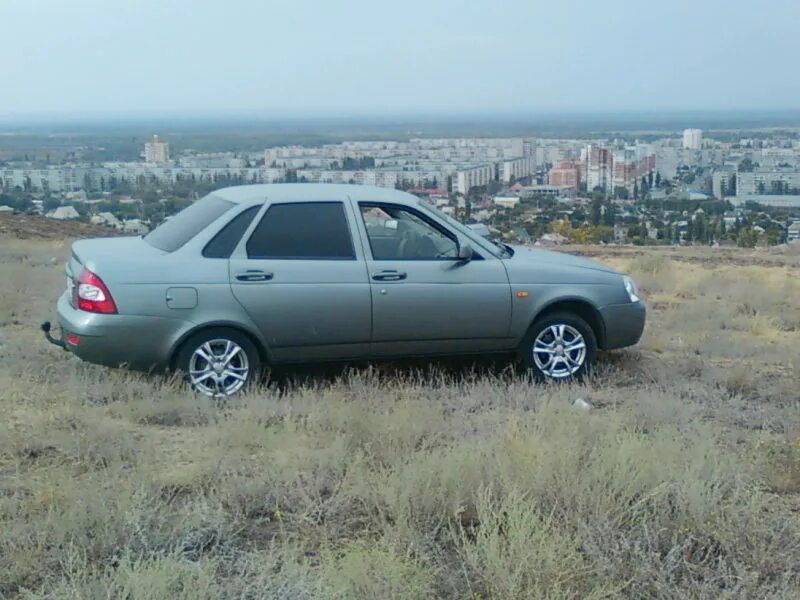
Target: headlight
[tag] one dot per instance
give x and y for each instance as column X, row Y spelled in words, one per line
column 630, row 287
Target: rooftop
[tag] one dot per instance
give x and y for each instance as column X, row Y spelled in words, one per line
column 310, row 192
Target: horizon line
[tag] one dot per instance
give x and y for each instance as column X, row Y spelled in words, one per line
column 350, row 113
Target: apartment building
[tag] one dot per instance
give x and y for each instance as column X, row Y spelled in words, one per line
column 723, row 183
column 565, row 173
column 156, row 151
column 516, row 168
column 598, row 167
column 692, row 139
column 630, row 164
column 466, row 179
column 776, row 181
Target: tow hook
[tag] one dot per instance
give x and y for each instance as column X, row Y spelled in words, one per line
column 46, row 326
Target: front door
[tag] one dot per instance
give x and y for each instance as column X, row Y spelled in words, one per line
column 423, row 298
column 303, row 281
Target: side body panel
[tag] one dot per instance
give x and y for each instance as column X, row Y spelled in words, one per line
column 548, row 282
column 438, row 306
column 161, row 298
column 306, row 309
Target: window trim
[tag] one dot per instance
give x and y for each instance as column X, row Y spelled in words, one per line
column 420, row 215
column 257, row 222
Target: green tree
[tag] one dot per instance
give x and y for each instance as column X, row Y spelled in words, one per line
column 746, row 166
column 700, row 229
column 596, row 211
column 609, row 215
column 746, row 238
column 773, row 237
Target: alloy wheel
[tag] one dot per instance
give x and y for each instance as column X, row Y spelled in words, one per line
column 218, row 368
column 559, row 351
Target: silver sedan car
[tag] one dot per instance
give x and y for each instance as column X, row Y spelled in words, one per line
column 259, row 275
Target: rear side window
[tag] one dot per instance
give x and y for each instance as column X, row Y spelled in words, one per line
column 309, row 230
column 222, row 244
column 174, row 233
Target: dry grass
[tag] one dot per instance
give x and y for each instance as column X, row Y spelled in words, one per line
column 682, row 482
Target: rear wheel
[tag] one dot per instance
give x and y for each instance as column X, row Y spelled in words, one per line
column 559, row 347
column 219, row 362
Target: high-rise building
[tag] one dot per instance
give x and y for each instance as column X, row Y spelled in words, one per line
column 598, row 167
column 631, row 164
column 156, row 152
column 692, row 139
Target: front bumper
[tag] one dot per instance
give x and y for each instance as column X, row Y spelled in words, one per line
column 624, row 324
column 137, row 342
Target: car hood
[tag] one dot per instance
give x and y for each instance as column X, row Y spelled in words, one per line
column 556, row 259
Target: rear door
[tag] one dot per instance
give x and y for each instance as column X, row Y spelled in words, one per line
column 303, row 281
column 425, row 300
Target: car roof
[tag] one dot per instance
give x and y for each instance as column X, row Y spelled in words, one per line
column 253, row 194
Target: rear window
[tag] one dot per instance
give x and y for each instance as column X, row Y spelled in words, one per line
column 175, row 232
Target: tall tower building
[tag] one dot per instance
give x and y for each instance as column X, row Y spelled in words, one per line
column 598, row 168
column 692, row 139
column 156, row 151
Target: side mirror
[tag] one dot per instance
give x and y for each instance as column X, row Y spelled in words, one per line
column 465, row 253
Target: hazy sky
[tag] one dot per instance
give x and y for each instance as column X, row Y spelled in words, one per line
column 327, row 56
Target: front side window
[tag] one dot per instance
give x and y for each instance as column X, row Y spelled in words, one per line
column 397, row 233
column 308, row 230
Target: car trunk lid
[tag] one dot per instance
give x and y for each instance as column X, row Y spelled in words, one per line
column 101, row 255
column 96, row 253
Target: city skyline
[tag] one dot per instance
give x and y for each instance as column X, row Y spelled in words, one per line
column 676, row 189
column 313, row 58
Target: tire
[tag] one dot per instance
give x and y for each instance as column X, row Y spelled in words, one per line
column 567, row 364
column 235, row 363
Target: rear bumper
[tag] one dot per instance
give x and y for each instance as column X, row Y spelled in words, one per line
column 624, row 324
column 137, row 342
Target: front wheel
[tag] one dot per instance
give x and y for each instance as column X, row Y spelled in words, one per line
column 219, row 362
column 559, row 347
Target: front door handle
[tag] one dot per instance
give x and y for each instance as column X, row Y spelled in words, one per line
column 254, row 275
column 389, row 275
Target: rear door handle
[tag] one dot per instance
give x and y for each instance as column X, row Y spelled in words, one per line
column 389, row 275
column 254, row 275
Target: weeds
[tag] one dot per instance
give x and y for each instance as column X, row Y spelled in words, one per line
column 683, row 481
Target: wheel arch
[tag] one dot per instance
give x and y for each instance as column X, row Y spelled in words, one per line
column 256, row 340
column 580, row 307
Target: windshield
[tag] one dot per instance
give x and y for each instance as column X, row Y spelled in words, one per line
column 176, row 231
column 464, row 230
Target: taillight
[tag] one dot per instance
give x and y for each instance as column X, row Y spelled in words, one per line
column 92, row 295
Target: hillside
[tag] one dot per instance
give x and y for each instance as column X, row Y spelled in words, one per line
column 416, row 480
column 27, row 227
